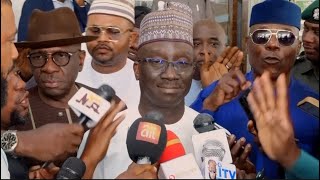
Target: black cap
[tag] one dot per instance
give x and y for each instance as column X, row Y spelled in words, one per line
column 147, row 138
column 72, row 168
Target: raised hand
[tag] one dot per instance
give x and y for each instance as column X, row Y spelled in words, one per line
column 230, row 58
column 269, row 105
column 99, row 138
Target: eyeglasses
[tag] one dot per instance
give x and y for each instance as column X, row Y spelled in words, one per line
column 263, row 36
column 158, row 64
column 60, row 58
column 114, row 33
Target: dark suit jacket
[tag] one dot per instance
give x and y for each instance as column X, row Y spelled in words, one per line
column 47, row 5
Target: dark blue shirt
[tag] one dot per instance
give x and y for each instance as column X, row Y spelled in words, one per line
column 232, row 117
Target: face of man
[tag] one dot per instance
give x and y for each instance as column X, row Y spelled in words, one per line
column 310, row 39
column 16, row 108
column 8, row 32
column 165, row 87
column 111, row 48
column 272, row 56
column 209, row 41
column 57, row 76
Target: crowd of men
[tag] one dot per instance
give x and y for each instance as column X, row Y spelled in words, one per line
column 173, row 59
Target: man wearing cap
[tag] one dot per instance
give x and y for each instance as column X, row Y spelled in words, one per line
column 201, row 9
column 55, row 59
column 80, row 8
column 272, row 46
column 113, row 21
column 306, row 68
column 164, row 70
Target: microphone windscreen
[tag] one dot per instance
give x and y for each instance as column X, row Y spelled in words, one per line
column 72, row 168
column 146, row 137
column 106, row 91
column 204, row 123
column 174, row 148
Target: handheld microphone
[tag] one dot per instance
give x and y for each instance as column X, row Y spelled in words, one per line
column 204, row 123
column 175, row 164
column 146, row 139
column 90, row 106
column 72, row 168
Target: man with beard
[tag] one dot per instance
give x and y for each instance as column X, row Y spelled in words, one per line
column 113, row 22
column 164, row 70
column 272, row 46
column 54, row 145
column 307, row 66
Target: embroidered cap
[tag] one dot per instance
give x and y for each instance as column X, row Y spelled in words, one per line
column 277, row 12
column 122, row 8
column 311, row 13
column 173, row 22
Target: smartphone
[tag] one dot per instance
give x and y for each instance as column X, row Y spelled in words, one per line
column 310, row 105
column 245, row 105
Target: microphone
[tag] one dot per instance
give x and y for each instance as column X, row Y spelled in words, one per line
column 204, row 123
column 175, row 164
column 72, row 168
column 146, row 139
column 90, row 106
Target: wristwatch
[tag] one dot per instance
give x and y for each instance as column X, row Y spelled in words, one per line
column 9, row 141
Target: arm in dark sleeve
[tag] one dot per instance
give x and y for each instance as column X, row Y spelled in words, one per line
column 197, row 105
column 82, row 14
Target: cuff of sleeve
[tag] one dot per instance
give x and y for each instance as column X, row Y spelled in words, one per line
column 306, row 166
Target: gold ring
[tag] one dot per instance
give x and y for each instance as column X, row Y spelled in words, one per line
column 227, row 67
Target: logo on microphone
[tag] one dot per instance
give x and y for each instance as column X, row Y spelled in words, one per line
column 148, row 132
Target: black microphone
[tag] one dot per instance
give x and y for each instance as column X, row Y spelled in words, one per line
column 204, row 123
column 147, row 138
column 72, row 168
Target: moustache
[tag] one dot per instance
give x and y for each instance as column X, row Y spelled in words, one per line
column 102, row 46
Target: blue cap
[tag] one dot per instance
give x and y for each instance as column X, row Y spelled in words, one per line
column 276, row 12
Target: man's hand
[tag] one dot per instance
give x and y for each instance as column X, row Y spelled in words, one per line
column 229, row 87
column 136, row 171
column 213, row 71
column 36, row 172
column 99, row 138
column 240, row 153
column 269, row 105
column 50, row 142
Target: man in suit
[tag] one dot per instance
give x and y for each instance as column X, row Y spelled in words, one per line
column 80, row 8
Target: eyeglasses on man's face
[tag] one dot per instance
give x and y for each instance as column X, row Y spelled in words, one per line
column 114, row 33
column 159, row 64
column 60, row 58
column 263, row 36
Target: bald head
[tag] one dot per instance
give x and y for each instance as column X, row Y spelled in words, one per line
column 208, row 28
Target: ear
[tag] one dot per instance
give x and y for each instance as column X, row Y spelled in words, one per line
column 134, row 38
column 82, row 57
column 299, row 47
column 136, row 69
